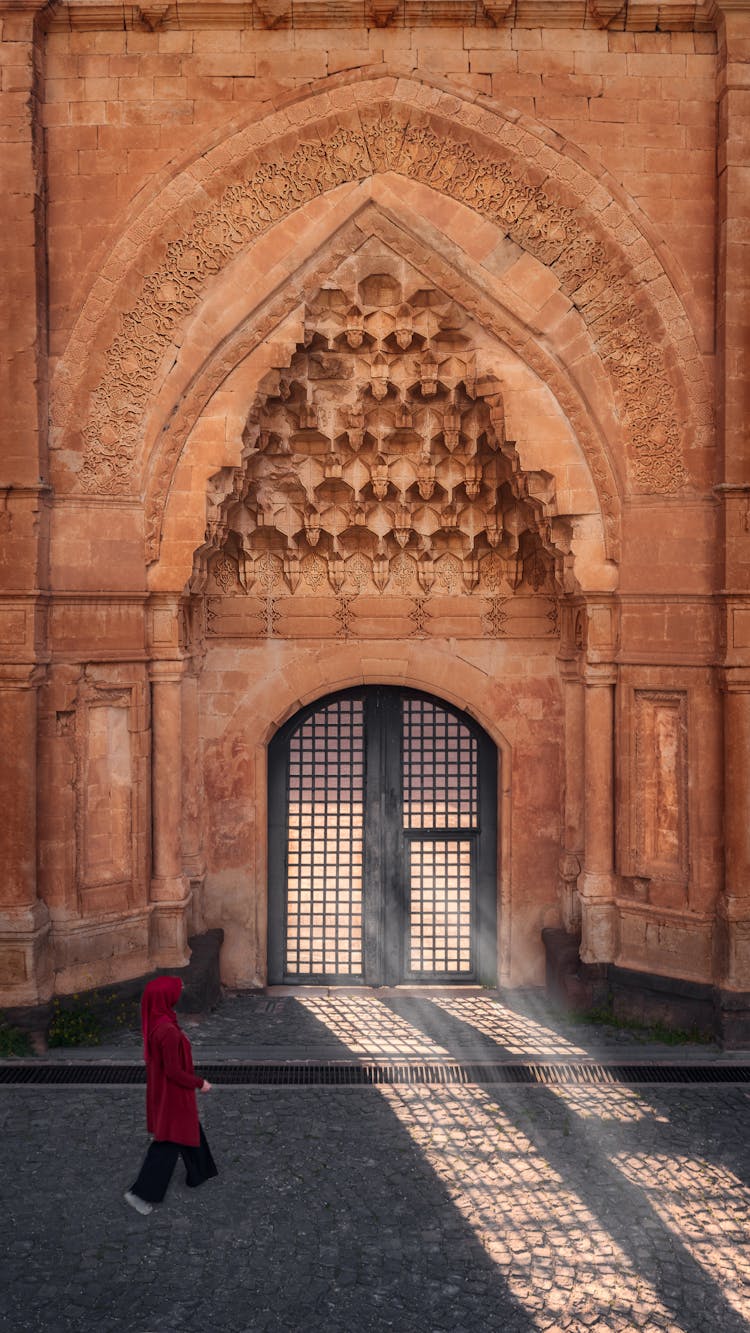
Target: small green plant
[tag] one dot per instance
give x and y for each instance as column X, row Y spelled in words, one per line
column 13, row 1041
column 86, row 1021
column 656, row 1032
column 73, row 1024
column 120, row 1013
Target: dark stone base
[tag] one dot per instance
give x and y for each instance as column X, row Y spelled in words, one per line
column 570, row 982
column 201, row 986
column 200, row 980
column 733, row 1019
column 644, row 997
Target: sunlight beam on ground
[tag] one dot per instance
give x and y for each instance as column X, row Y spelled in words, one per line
column 556, row 1257
column 517, row 1033
column 690, row 1196
column 369, row 1028
column 554, row 1254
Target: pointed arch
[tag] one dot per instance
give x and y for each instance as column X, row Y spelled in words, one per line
column 185, row 454
column 518, row 179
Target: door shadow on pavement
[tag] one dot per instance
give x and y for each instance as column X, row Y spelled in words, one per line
column 326, row 1218
column 611, row 1151
column 333, row 1216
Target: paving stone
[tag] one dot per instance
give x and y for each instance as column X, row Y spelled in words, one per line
column 467, row 1023
column 408, row 1208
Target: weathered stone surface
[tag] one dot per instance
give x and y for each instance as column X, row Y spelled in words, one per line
column 400, row 352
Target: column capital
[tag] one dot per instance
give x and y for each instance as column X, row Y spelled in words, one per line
column 597, row 626
column 162, row 671
column 736, row 680
column 24, row 16
column 569, row 669
column 732, row 18
column 595, row 887
column 600, row 673
column 164, row 625
column 21, row 675
column 23, row 627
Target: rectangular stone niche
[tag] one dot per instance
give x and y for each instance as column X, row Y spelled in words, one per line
column 660, row 789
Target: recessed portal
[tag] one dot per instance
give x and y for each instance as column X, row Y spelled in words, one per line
column 382, row 843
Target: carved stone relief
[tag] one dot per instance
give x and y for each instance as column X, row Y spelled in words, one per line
column 277, row 15
column 377, row 460
column 661, row 783
column 434, row 271
column 373, row 617
column 555, row 234
column 106, row 813
column 94, row 745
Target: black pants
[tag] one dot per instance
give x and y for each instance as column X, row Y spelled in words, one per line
column 160, row 1162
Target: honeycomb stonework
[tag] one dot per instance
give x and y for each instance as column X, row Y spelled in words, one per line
column 377, row 461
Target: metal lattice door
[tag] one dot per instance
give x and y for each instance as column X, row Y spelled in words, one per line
column 382, row 846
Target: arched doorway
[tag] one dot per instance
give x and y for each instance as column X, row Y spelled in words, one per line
column 382, row 843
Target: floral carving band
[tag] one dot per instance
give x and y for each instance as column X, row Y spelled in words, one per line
column 596, row 280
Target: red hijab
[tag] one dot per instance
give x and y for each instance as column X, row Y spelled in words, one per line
column 157, row 1006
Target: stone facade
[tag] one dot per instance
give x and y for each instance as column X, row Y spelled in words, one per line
column 391, row 344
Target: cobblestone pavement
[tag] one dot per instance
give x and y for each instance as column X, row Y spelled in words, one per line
column 340, row 1024
column 413, row 1209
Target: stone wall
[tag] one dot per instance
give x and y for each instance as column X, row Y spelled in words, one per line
column 123, row 108
column 567, row 186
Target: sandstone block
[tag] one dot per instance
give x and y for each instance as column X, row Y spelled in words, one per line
column 136, row 89
column 175, row 43
column 103, row 43
column 548, row 62
column 352, row 57
column 86, row 66
column 607, row 109
column 215, row 65
column 87, row 113
column 445, row 59
column 169, row 87
column 223, row 41
column 483, row 61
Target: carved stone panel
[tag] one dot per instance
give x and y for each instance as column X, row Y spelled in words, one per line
column 589, row 268
column 94, row 817
column 107, row 815
column 661, row 783
column 375, row 617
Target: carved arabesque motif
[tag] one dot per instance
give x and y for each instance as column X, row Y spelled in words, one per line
column 550, row 231
column 377, row 458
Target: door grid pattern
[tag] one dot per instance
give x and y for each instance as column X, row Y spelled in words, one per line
column 440, row 908
column 326, row 821
column 440, row 768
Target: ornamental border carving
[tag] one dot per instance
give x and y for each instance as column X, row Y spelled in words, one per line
column 281, row 15
column 529, row 189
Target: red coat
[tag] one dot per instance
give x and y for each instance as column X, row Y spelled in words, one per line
column 171, row 1081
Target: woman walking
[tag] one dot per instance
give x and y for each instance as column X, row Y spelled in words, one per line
column 171, row 1107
